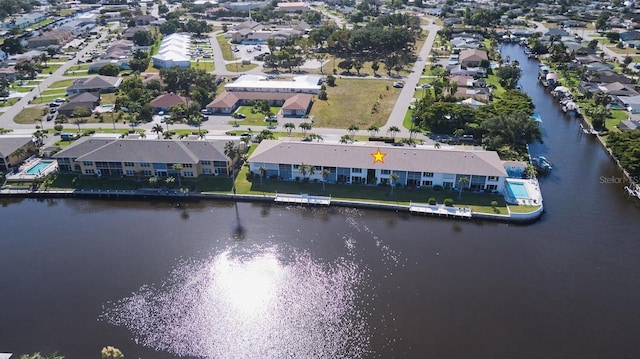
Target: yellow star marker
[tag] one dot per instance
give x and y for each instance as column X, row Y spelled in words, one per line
column 378, row 156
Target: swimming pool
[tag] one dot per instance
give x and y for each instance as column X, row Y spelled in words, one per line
column 38, row 167
column 107, row 107
column 517, row 190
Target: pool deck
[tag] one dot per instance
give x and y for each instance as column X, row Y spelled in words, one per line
column 22, row 174
column 533, row 190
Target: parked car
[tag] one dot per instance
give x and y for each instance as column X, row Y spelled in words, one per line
column 50, row 117
column 54, row 104
column 60, row 100
column 398, row 84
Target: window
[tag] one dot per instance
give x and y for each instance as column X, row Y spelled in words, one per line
column 128, row 164
column 295, row 167
column 87, row 163
column 492, row 178
column 147, row 173
column 187, row 165
column 89, row 172
column 385, row 172
column 130, row 172
column 427, row 183
column 206, row 163
column 427, row 174
column 447, row 185
column 356, row 170
column 145, row 164
column 206, row 171
column 492, row 187
column 188, row 174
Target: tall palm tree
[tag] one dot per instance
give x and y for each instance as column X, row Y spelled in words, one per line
column 373, row 130
column 393, row 131
column 413, row 132
column 463, row 181
column 304, row 127
column 263, row 172
column 231, row 151
column 39, row 119
column 289, row 126
column 352, row 131
column 325, row 174
column 393, row 177
column 303, row 169
column 531, row 171
column 178, row 168
column 157, row 129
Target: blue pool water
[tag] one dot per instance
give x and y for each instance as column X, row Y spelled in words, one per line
column 517, row 190
column 107, row 107
column 38, row 167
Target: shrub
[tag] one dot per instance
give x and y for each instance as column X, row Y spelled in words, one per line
column 432, row 201
column 58, row 127
column 448, row 202
column 494, row 204
column 297, row 179
column 88, row 132
column 438, row 188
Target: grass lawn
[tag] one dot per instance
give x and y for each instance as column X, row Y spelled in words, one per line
column 252, row 119
column 27, row 115
column 347, row 104
column 58, row 92
column 477, row 202
column 23, row 89
column 9, row 102
column 63, row 83
column 46, row 99
column 239, row 67
column 208, row 66
column 108, row 98
column 492, row 80
column 51, row 68
column 225, row 46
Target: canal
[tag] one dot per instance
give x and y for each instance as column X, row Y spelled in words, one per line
column 225, row 280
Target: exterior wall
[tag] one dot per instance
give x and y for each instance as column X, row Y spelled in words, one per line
column 13, row 161
column 146, row 169
column 361, row 176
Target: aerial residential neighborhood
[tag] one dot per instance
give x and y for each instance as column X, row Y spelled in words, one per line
column 514, row 126
column 217, row 70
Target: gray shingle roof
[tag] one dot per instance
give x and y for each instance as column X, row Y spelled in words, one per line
column 8, row 144
column 418, row 159
column 143, row 150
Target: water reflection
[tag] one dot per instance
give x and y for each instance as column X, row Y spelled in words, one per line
column 265, row 302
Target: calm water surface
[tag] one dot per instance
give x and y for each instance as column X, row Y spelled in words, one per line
column 215, row 280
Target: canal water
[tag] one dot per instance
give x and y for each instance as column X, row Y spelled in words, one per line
column 220, row 280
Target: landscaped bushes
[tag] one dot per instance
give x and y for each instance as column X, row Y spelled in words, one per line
column 432, row 201
column 448, row 202
column 438, row 188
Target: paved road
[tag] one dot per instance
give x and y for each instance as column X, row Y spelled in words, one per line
column 6, row 119
column 218, row 125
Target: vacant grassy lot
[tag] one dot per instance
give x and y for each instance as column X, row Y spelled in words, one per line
column 363, row 102
column 207, row 66
column 9, row 102
column 27, row 115
column 61, row 84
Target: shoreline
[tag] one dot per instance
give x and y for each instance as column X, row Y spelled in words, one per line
column 518, row 218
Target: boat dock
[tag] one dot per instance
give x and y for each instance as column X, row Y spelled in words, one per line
column 302, row 198
column 439, row 210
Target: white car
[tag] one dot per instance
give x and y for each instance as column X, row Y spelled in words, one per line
column 398, row 84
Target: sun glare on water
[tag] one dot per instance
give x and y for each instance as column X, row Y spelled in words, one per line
column 261, row 304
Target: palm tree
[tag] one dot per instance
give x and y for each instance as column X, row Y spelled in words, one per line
column 305, row 126
column 231, row 151
column 393, row 131
column 531, row 171
column 178, row 168
column 263, row 172
column 289, row 126
column 311, row 169
column 413, row 132
column 352, row 131
column 462, row 181
column 303, row 169
column 345, row 139
column 157, row 129
column 41, row 123
column 373, row 130
column 437, row 145
column 325, row 174
column 393, row 177
column 19, row 152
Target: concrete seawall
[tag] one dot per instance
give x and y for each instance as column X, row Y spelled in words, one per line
column 176, row 195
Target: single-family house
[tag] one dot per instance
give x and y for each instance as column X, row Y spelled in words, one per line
column 629, row 125
column 472, row 57
column 88, row 100
column 301, row 7
column 53, row 37
column 100, row 84
column 632, row 103
column 163, row 102
column 9, row 72
column 94, row 67
column 618, row 89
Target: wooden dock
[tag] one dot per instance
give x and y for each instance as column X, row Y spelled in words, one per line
column 439, row 210
column 302, row 198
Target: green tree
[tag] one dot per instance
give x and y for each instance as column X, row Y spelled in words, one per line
column 462, row 181
column 289, row 126
column 373, row 130
column 393, row 177
column 353, row 128
column 393, row 131
column 304, row 127
column 232, row 152
column 263, row 173
column 325, row 175
column 508, row 75
column 109, row 70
